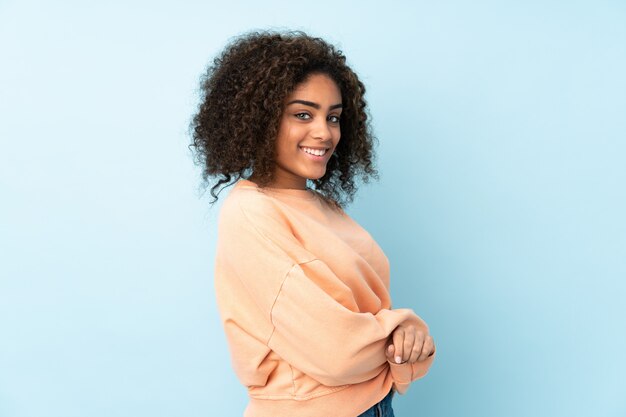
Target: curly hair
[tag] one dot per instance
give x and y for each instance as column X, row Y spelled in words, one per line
column 235, row 128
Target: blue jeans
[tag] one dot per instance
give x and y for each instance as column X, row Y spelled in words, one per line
column 380, row 409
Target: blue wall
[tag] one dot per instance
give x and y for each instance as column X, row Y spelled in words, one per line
column 502, row 129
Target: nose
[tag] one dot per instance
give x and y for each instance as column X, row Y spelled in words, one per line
column 321, row 130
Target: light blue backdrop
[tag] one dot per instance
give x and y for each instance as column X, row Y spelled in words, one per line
column 501, row 204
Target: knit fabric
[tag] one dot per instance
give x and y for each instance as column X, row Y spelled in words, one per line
column 303, row 295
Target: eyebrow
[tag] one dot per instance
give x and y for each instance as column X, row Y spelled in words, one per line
column 315, row 105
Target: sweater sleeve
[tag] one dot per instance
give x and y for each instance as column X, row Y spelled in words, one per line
column 308, row 328
column 324, row 339
column 404, row 374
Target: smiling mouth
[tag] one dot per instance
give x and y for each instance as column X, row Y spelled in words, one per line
column 314, row 151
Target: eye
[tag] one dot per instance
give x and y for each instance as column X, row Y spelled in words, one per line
column 335, row 119
column 305, row 116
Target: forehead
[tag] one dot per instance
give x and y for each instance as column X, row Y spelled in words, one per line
column 317, row 85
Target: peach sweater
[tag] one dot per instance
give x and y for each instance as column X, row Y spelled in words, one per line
column 303, row 295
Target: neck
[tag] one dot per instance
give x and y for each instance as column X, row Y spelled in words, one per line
column 285, row 183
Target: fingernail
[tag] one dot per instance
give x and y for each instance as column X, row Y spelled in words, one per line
column 398, row 359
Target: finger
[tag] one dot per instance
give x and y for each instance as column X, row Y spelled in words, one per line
column 409, row 341
column 415, row 353
column 427, row 349
column 389, row 352
column 432, row 342
column 420, row 339
column 398, row 341
column 417, row 348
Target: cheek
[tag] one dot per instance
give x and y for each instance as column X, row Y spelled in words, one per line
column 287, row 141
column 294, row 135
column 337, row 135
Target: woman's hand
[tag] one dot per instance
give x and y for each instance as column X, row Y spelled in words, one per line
column 409, row 344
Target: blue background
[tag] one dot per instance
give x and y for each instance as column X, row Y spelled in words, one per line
column 501, row 204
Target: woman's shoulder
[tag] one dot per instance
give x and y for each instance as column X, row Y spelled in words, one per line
column 246, row 198
column 248, row 203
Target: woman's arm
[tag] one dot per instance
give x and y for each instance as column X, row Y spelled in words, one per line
column 325, row 340
column 307, row 327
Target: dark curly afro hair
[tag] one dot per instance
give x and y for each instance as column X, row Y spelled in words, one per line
column 243, row 91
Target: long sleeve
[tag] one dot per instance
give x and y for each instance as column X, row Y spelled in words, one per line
column 323, row 338
column 298, row 300
column 404, row 374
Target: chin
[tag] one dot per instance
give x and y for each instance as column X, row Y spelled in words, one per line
column 316, row 177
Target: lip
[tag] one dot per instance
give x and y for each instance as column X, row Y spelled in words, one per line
column 315, row 157
column 315, row 147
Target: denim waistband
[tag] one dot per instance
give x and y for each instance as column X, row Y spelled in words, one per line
column 381, row 408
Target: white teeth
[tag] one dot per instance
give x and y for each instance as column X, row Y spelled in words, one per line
column 318, row 152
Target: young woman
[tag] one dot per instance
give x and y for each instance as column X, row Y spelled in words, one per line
column 302, row 289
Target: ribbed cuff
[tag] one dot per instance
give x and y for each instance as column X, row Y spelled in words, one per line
column 405, row 373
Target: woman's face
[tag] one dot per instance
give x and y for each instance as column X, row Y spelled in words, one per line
column 309, row 132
